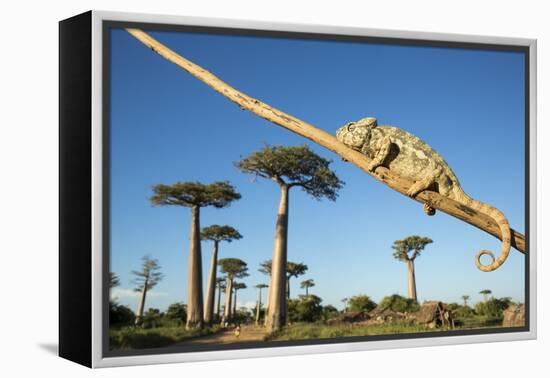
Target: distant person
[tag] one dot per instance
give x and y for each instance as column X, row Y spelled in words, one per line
column 237, row 331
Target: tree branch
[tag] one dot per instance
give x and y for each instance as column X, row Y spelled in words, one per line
column 382, row 174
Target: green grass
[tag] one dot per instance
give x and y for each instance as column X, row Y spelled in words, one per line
column 171, row 332
column 479, row 321
column 304, row 331
column 139, row 338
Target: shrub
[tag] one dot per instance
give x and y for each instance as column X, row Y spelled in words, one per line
column 242, row 315
column 307, row 308
column 361, row 303
column 460, row 311
column 329, row 312
column 152, row 318
column 177, row 312
column 398, row 303
column 493, row 308
column 120, row 315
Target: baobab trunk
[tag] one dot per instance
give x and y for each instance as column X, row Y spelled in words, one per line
column 211, row 288
column 276, row 317
column 267, row 305
column 412, row 280
column 141, row 304
column 258, row 306
column 227, row 309
column 218, row 302
column 194, row 291
column 235, row 301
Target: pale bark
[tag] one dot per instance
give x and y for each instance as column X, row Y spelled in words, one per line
column 218, row 301
column 276, row 317
column 141, row 305
column 435, row 200
column 211, row 288
column 194, row 291
column 411, row 279
column 227, row 309
column 267, row 300
column 235, row 301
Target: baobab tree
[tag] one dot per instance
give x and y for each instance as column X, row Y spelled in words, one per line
column 292, row 270
column 195, row 195
column 233, row 268
column 407, row 250
column 216, row 234
column 236, row 287
column 288, row 167
column 259, row 302
column 145, row 279
column 465, row 299
column 307, row 284
column 220, row 283
column 485, row 293
column 114, row 281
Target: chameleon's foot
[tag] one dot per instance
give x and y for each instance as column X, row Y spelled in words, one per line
column 372, row 167
column 428, row 209
column 412, row 192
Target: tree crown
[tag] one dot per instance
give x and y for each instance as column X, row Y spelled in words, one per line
column 189, row 194
column 414, row 244
column 307, row 283
column 219, row 233
column 292, row 269
column 294, row 166
column 234, row 268
column 239, row 286
column 149, row 273
column 114, row 281
column 261, row 286
column 485, row 291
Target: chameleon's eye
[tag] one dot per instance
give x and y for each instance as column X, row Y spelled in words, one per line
column 350, row 127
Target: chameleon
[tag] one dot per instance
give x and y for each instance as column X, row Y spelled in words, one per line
column 411, row 158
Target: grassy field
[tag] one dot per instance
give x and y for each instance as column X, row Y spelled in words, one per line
column 139, row 338
column 171, row 333
column 304, row 331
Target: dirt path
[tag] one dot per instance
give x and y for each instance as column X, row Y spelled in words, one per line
column 248, row 333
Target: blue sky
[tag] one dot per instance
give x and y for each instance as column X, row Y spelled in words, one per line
column 166, row 126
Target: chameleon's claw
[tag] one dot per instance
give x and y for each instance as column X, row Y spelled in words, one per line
column 372, row 167
column 411, row 193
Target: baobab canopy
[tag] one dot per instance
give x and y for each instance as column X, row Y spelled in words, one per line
column 220, row 233
column 218, row 194
column 294, row 166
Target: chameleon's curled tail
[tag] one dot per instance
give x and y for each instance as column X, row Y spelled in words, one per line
column 505, row 232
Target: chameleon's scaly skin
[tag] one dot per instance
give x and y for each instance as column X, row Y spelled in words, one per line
column 411, row 158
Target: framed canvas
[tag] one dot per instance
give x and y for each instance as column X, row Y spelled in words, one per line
column 234, row 189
